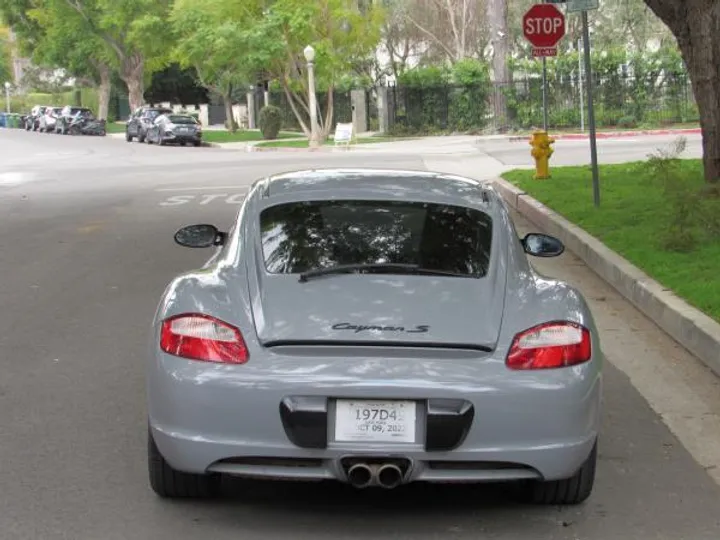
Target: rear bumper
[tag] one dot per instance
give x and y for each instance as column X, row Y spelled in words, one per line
column 182, row 138
column 558, row 461
column 276, row 422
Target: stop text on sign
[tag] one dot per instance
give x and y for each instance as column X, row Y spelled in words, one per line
column 541, row 26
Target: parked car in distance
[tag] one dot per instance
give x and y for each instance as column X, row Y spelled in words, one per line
column 175, row 128
column 141, row 120
column 67, row 115
column 32, row 121
column 48, row 120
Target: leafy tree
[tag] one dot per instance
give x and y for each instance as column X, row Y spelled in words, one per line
column 207, row 32
column 54, row 37
column 696, row 26
column 341, row 33
column 5, row 55
column 65, row 42
column 135, row 33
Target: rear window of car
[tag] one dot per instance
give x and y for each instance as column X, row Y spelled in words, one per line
column 181, row 119
column 154, row 113
column 301, row 236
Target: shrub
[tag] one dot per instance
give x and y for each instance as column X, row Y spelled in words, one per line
column 691, row 211
column 627, row 122
column 270, row 122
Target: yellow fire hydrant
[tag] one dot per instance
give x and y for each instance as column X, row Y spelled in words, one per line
column 541, row 151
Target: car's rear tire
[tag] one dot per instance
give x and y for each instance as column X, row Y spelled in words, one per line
column 128, row 137
column 570, row 491
column 169, row 483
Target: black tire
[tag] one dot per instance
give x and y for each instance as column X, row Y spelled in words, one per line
column 141, row 136
column 128, row 137
column 169, row 483
column 571, row 491
column 196, row 143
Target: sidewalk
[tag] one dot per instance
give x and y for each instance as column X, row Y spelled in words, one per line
column 441, row 144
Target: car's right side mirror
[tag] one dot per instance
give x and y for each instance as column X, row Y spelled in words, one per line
column 542, row 245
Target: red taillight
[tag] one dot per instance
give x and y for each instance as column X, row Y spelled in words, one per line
column 550, row 345
column 204, row 338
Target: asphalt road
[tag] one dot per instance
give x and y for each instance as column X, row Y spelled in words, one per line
column 86, row 249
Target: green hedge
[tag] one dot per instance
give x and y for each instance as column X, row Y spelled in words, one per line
column 437, row 99
column 84, row 97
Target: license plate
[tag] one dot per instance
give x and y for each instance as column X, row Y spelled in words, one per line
column 375, row 421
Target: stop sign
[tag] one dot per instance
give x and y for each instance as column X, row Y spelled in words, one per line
column 544, row 25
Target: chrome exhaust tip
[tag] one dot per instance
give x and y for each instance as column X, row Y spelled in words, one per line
column 360, row 476
column 389, row 476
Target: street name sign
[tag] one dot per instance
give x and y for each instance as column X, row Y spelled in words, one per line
column 582, row 5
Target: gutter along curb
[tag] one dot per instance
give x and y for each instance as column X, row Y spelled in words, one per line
column 689, row 326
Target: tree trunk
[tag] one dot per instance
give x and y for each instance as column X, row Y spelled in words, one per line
column 497, row 13
column 696, row 26
column 292, row 98
column 327, row 123
column 230, row 123
column 104, row 91
column 132, row 72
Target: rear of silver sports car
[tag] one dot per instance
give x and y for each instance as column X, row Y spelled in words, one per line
column 376, row 378
column 374, row 415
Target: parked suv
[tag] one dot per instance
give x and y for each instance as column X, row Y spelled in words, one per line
column 142, row 119
column 175, row 128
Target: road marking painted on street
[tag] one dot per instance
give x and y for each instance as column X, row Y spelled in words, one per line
column 204, row 199
column 204, row 188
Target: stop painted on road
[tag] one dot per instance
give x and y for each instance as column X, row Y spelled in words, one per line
column 203, row 199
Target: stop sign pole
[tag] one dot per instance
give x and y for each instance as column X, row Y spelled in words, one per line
column 543, row 27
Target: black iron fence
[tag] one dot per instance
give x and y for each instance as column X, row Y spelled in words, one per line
column 621, row 102
column 342, row 109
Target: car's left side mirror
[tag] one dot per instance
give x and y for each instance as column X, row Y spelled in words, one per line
column 542, row 245
column 200, row 236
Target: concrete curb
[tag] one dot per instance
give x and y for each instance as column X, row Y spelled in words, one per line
column 613, row 134
column 690, row 327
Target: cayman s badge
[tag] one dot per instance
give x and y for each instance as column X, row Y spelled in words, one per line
column 357, row 328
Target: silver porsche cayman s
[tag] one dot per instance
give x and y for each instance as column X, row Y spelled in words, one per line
column 374, row 327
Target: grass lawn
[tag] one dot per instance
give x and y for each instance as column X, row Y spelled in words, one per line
column 304, row 143
column 114, row 127
column 222, row 136
column 631, row 214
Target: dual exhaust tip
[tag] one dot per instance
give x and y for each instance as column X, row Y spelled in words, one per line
column 362, row 475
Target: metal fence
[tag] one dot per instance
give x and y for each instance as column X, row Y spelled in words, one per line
column 622, row 102
column 342, row 108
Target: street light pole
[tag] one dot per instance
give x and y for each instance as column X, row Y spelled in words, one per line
column 7, row 97
column 314, row 135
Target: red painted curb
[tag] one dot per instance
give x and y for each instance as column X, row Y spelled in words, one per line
column 616, row 134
